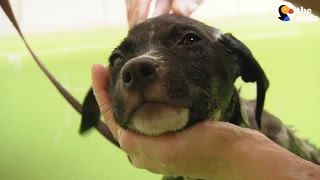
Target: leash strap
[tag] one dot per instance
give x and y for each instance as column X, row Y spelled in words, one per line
column 101, row 127
column 72, row 101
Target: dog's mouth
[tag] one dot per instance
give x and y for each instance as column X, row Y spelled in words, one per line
column 154, row 118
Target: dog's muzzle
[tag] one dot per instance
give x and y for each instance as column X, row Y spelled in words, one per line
column 138, row 73
column 144, row 86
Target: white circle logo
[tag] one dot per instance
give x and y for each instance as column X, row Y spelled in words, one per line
column 285, row 11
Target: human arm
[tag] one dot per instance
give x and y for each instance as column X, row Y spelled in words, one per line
column 207, row 150
column 138, row 10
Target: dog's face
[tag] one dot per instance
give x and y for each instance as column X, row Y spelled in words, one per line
column 169, row 73
column 172, row 72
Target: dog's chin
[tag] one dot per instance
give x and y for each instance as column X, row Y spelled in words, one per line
column 156, row 118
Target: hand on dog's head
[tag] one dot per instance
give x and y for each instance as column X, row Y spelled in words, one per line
column 172, row 71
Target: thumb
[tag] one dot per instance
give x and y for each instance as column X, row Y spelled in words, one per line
column 137, row 11
column 100, row 82
column 185, row 8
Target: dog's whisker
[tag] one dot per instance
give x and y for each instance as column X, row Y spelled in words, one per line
column 104, row 103
column 106, row 110
column 110, row 111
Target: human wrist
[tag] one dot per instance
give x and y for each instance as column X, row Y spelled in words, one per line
column 257, row 157
column 224, row 161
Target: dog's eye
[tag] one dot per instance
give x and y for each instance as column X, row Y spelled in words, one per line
column 189, row 39
column 117, row 60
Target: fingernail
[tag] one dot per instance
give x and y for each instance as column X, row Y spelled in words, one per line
column 185, row 8
column 95, row 65
column 120, row 138
column 139, row 21
column 119, row 132
column 192, row 7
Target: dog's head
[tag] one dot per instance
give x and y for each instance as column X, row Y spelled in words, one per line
column 172, row 71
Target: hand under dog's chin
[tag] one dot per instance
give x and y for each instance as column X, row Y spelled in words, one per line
column 156, row 118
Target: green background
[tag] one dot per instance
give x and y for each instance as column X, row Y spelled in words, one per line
column 39, row 137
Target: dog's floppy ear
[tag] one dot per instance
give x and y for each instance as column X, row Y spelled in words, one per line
column 250, row 70
column 90, row 113
column 91, row 118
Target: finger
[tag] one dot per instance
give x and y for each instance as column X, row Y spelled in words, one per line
column 155, row 146
column 148, row 164
column 100, row 82
column 139, row 162
column 162, row 7
column 185, row 8
column 176, row 147
column 161, row 148
column 137, row 11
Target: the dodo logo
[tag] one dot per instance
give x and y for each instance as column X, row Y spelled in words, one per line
column 285, row 11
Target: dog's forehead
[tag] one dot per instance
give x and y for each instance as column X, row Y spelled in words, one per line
column 166, row 24
column 163, row 30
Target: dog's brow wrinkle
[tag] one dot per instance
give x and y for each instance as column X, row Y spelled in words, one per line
column 152, row 54
column 152, row 31
column 217, row 34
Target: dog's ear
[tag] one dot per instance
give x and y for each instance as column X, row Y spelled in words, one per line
column 91, row 118
column 90, row 113
column 250, row 70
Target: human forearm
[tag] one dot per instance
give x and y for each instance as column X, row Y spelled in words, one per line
column 257, row 157
column 207, row 150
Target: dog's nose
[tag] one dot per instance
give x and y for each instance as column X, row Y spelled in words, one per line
column 138, row 73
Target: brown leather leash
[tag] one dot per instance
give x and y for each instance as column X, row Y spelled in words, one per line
column 101, row 127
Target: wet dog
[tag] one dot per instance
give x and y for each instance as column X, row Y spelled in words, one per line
column 171, row 72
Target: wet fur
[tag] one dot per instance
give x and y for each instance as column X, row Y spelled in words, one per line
column 199, row 78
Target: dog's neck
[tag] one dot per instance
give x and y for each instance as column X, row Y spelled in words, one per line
column 233, row 114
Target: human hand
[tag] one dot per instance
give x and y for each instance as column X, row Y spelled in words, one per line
column 202, row 151
column 137, row 10
column 207, row 150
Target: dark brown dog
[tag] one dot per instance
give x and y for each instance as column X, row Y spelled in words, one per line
column 171, row 72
